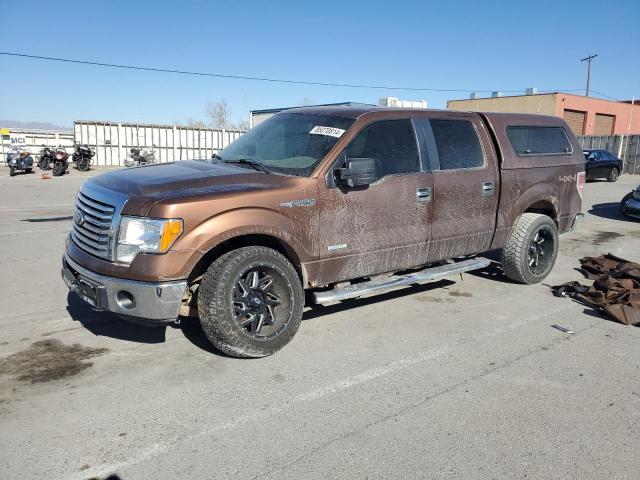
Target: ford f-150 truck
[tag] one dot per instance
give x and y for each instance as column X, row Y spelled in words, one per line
column 322, row 204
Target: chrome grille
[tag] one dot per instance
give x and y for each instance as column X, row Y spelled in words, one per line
column 92, row 221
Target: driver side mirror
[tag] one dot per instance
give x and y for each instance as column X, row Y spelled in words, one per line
column 358, row 172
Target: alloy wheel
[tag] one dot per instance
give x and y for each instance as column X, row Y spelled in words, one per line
column 540, row 252
column 262, row 302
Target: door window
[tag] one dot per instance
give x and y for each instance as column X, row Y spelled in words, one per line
column 392, row 143
column 457, row 144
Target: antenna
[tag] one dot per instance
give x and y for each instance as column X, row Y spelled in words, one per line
column 588, row 60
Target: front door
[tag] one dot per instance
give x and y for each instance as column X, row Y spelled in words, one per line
column 385, row 226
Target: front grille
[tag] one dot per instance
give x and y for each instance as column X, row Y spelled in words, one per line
column 92, row 226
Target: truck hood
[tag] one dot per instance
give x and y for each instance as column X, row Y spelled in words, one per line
column 144, row 186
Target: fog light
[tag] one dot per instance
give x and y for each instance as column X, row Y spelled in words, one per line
column 126, row 300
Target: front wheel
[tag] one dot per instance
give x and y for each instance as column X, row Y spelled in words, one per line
column 12, row 171
column 531, row 250
column 43, row 163
column 59, row 169
column 250, row 302
column 614, row 174
column 82, row 165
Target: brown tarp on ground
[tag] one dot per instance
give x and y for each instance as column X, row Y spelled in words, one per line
column 616, row 289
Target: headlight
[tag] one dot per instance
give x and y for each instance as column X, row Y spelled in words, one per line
column 636, row 194
column 145, row 235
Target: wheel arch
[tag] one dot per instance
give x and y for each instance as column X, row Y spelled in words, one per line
column 246, row 240
column 544, row 207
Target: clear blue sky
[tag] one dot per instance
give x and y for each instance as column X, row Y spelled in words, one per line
column 486, row 45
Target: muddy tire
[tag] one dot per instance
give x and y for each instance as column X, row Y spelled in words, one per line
column 59, row 169
column 250, row 302
column 12, row 171
column 613, row 176
column 531, row 250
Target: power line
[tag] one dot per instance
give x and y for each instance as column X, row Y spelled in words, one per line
column 242, row 77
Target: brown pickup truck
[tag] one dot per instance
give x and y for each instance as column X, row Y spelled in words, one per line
column 339, row 202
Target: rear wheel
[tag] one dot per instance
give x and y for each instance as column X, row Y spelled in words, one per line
column 250, row 302
column 28, row 170
column 531, row 250
column 614, row 174
column 59, row 169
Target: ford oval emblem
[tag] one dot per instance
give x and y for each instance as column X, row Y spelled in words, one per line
column 78, row 218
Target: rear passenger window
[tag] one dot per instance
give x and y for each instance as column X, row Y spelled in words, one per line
column 457, row 144
column 539, row 140
column 391, row 142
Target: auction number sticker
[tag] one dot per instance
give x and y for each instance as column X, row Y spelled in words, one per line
column 329, row 131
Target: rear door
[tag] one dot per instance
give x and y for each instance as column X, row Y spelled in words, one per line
column 465, row 184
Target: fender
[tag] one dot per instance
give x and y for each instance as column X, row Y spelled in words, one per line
column 245, row 221
column 517, row 197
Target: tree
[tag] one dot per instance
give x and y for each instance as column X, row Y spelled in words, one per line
column 218, row 112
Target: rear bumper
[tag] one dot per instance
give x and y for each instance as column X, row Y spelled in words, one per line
column 631, row 208
column 158, row 302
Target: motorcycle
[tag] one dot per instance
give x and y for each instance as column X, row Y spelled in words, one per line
column 19, row 160
column 139, row 157
column 46, row 158
column 60, row 162
column 82, row 156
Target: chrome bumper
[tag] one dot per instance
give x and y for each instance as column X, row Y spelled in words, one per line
column 157, row 301
column 632, row 208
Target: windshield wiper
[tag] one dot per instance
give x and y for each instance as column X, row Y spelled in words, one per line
column 256, row 165
column 217, row 157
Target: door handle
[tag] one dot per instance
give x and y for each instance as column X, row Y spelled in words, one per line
column 423, row 194
column 488, row 189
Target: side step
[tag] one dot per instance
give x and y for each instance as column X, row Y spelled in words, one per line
column 395, row 281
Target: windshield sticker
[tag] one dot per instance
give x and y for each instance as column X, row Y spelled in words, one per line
column 329, row 131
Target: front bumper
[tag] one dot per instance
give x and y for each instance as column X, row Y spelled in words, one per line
column 156, row 301
column 631, row 208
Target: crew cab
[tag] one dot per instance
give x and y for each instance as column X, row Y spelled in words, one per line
column 339, row 202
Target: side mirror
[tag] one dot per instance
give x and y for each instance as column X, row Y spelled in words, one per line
column 359, row 172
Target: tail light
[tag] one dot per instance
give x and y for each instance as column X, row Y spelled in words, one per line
column 581, row 179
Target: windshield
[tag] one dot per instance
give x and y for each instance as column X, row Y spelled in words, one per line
column 289, row 143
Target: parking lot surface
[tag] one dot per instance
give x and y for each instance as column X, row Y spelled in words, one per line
column 462, row 378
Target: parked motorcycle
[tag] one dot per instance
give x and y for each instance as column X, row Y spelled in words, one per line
column 138, row 157
column 60, row 162
column 82, row 156
column 47, row 155
column 19, row 160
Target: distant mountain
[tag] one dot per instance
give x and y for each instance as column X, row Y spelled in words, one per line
column 34, row 125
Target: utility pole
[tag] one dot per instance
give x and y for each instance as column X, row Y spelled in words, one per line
column 588, row 60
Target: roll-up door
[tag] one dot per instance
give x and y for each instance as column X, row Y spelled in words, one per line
column 575, row 120
column 603, row 124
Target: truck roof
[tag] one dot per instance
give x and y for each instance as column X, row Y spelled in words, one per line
column 358, row 111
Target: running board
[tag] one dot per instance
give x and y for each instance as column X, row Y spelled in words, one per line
column 395, row 281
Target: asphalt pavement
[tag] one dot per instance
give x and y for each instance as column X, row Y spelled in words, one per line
column 462, row 378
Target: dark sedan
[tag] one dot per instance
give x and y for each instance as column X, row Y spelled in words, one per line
column 602, row 164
